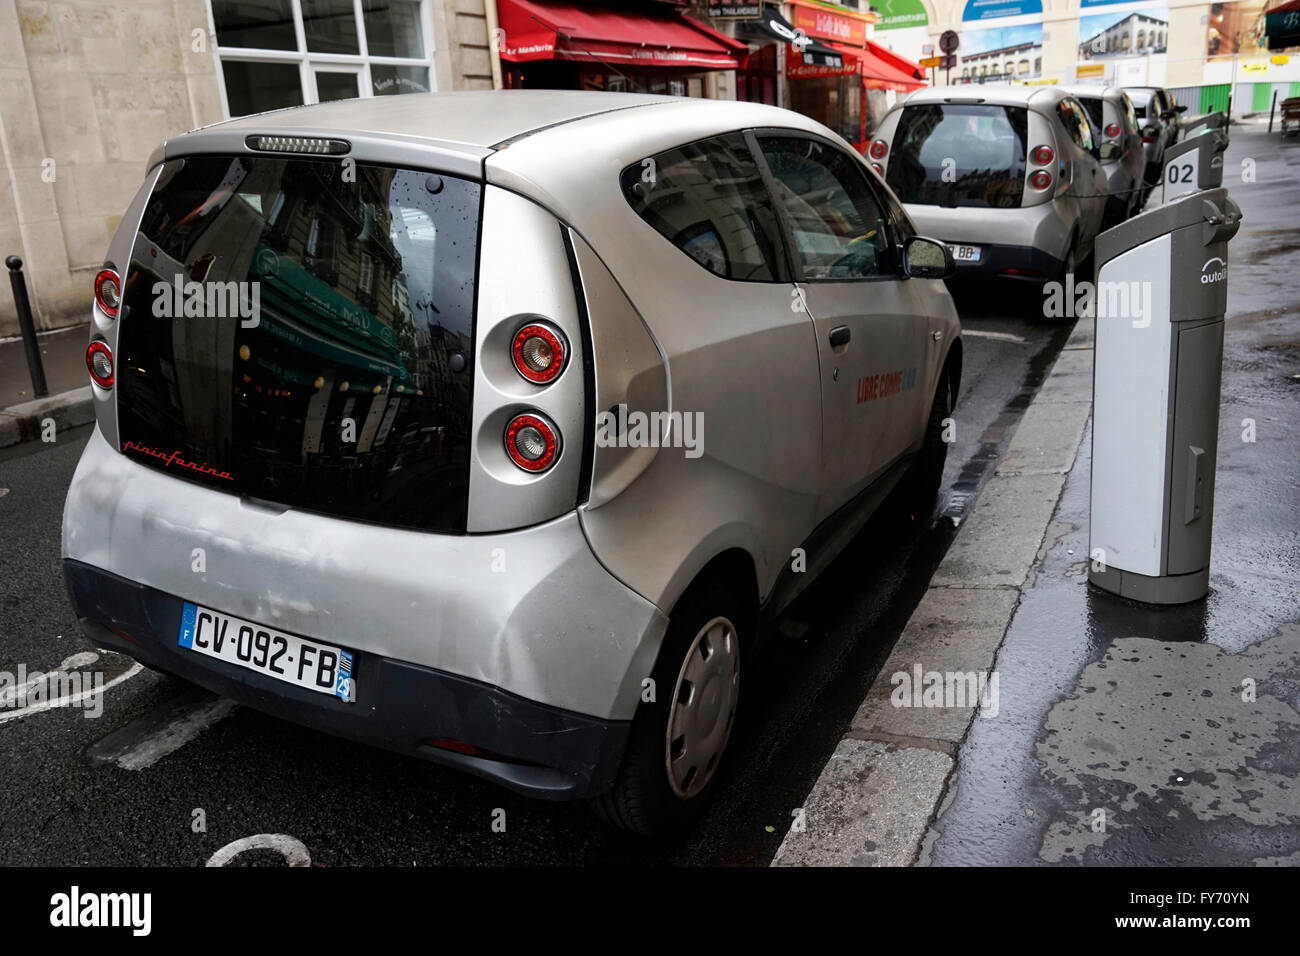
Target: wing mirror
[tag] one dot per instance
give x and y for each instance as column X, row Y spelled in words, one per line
column 927, row 259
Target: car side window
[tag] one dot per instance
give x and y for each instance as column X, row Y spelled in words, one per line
column 1075, row 121
column 709, row 199
column 838, row 227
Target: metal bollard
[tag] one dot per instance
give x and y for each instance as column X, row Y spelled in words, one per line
column 24, row 307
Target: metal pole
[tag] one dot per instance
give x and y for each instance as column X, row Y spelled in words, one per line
column 24, row 307
column 1271, row 108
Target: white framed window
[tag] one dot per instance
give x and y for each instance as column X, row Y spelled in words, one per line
column 276, row 53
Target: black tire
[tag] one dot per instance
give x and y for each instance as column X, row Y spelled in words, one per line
column 927, row 470
column 644, row 799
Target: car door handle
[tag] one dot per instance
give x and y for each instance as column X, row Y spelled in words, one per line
column 840, row 335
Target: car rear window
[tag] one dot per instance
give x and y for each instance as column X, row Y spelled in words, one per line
column 959, row 154
column 1093, row 105
column 294, row 330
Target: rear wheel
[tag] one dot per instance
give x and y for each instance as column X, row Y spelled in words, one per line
column 677, row 740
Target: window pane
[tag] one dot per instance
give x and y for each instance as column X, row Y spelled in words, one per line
column 257, row 87
column 393, row 28
column 330, row 26
column 267, row 24
column 336, row 86
column 709, row 200
column 959, row 155
column 314, row 299
column 389, row 80
column 838, row 228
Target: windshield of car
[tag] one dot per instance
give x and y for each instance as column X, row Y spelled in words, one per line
column 959, row 154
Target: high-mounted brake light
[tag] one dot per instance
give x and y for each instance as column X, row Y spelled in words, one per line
column 532, row 442
column 878, row 149
column 108, row 292
column 298, row 144
column 538, row 352
column 99, row 360
column 1112, row 129
column 1042, row 155
column 1041, row 179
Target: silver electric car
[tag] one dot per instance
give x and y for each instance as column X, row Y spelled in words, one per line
column 1121, row 151
column 493, row 428
column 1157, row 116
column 1009, row 176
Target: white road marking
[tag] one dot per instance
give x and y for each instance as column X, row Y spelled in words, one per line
column 71, row 700
column 293, row 850
column 1000, row 336
column 174, row 734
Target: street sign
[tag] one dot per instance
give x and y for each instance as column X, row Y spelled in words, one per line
column 947, row 62
column 927, row 49
column 929, row 61
column 1088, row 70
column 721, row 11
column 948, row 41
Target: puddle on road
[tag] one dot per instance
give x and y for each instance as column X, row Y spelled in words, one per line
column 1157, row 736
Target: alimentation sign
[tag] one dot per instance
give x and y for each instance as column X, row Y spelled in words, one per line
column 897, row 14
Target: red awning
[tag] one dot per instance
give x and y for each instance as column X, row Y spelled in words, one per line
column 883, row 69
column 534, row 30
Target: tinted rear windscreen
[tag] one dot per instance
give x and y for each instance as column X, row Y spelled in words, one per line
column 292, row 331
column 1094, row 107
column 959, row 154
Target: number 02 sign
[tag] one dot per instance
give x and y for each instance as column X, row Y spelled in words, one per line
column 1181, row 175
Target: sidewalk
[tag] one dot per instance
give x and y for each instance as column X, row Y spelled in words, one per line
column 1122, row 733
column 63, row 354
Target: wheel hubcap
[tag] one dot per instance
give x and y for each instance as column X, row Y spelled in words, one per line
column 703, row 707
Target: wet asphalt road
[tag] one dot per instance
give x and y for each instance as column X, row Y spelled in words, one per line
column 1138, row 713
column 249, row 774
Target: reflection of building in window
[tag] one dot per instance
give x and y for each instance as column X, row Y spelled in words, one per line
column 1010, row 61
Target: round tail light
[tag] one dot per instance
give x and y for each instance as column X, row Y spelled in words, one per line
column 99, row 360
column 878, row 149
column 880, row 170
column 539, row 353
column 1042, row 155
column 1041, row 179
column 108, row 292
column 1112, row 129
column 532, row 442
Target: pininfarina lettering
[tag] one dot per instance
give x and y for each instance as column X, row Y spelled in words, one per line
column 74, row 909
column 175, row 459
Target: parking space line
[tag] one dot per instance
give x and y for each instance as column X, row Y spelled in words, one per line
column 169, row 727
column 1000, row 336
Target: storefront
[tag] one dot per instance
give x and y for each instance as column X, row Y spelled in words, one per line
column 635, row 48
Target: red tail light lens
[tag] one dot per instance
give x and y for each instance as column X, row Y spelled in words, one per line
column 878, row 149
column 539, row 353
column 1041, row 179
column 532, row 442
column 108, row 292
column 1042, row 155
column 1112, row 129
column 99, row 360
column 880, row 170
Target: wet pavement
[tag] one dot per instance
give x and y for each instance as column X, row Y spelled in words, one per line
column 1129, row 734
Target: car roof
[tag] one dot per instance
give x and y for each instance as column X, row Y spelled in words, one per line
column 1092, row 91
column 994, row 94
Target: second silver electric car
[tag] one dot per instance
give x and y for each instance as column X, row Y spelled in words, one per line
column 1123, row 157
column 488, row 427
column 1009, row 176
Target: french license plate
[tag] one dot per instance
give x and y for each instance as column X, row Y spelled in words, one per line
column 966, row 253
column 303, row 663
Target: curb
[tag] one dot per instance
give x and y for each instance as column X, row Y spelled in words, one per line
column 883, row 786
column 25, row 422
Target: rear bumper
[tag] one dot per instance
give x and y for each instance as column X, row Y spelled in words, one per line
column 1032, row 240
column 1030, row 264
column 541, row 751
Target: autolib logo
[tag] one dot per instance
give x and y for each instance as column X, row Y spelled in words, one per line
column 1218, row 275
